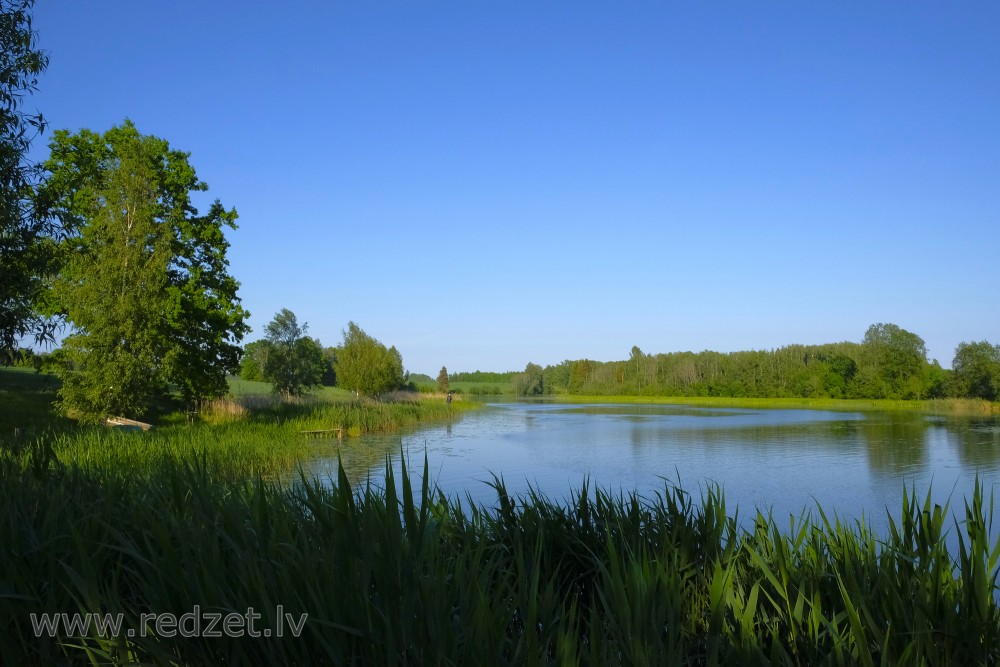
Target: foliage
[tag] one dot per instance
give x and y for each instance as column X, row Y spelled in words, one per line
column 21, row 358
column 25, row 243
column 401, row 575
column 252, row 362
column 144, row 279
column 889, row 364
column 366, row 366
column 422, row 378
column 977, row 370
column 491, row 389
column 892, row 363
column 442, row 380
column 483, row 377
column 329, row 375
column 291, row 361
column 26, row 399
column 531, row 382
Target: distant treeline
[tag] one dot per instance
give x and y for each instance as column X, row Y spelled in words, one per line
column 484, row 377
column 890, row 363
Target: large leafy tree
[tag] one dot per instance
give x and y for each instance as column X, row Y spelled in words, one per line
column 894, row 363
column 252, row 363
column 145, row 281
column 531, row 382
column 977, row 370
column 366, row 366
column 25, row 247
column 290, row 360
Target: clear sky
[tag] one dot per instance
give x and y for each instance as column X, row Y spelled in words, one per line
column 483, row 184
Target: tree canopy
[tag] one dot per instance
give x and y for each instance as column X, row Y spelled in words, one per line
column 977, row 370
column 890, row 362
column 252, row 363
column 144, row 278
column 366, row 366
column 442, row 380
column 25, row 246
column 531, row 382
column 291, row 361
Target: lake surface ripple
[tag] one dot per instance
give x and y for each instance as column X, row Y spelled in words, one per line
column 786, row 461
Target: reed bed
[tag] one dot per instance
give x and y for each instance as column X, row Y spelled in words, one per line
column 397, row 411
column 263, row 438
column 234, row 451
column 405, row 576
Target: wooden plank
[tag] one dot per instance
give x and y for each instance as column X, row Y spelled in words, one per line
column 318, row 433
column 130, row 423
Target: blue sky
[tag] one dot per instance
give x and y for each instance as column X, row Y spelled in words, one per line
column 484, row 184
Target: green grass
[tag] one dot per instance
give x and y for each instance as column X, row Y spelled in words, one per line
column 403, row 576
column 251, row 434
column 26, row 402
column 486, row 389
column 240, row 387
column 956, row 406
column 267, row 441
column 232, row 451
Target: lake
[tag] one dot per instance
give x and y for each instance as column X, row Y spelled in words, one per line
column 851, row 463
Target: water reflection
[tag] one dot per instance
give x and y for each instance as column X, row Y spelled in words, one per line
column 976, row 444
column 853, row 464
column 895, row 443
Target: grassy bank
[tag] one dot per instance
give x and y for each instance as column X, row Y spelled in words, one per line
column 385, row 580
column 26, row 401
column 354, row 415
column 267, row 442
column 943, row 406
column 237, row 437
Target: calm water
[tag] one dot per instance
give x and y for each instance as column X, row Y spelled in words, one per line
column 785, row 460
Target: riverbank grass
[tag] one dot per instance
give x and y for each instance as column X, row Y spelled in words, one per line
column 237, row 437
column 26, row 401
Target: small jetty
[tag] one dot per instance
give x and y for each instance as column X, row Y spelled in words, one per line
column 324, row 433
column 127, row 424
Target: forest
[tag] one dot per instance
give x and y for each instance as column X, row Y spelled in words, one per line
column 889, row 363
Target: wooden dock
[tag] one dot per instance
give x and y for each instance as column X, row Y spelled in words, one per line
column 325, row 433
column 127, row 424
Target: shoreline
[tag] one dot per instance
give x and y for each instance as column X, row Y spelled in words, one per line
column 937, row 406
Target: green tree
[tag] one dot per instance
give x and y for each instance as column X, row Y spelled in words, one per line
column 144, row 279
column 442, row 380
column 935, row 381
column 531, row 382
column 252, row 363
column 25, row 242
column 366, row 366
column 893, row 363
column 977, row 370
column 840, row 370
column 556, row 378
column 329, row 377
column 579, row 375
column 291, row 361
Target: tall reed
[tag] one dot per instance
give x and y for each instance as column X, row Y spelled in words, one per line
column 403, row 575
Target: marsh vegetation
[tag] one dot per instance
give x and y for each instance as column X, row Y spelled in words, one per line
column 401, row 575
